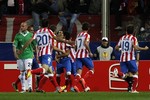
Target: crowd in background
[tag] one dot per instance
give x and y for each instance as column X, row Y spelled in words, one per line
column 137, row 11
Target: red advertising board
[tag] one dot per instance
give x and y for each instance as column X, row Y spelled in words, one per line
column 100, row 81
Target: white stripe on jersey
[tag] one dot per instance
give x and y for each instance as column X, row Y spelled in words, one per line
column 44, row 41
column 61, row 46
column 82, row 52
column 126, row 43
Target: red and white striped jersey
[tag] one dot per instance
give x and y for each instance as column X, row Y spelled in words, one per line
column 60, row 45
column 82, row 52
column 126, row 43
column 72, row 54
column 44, row 38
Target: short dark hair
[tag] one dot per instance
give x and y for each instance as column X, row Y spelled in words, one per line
column 85, row 26
column 45, row 23
column 67, row 35
column 130, row 29
column 53, row 28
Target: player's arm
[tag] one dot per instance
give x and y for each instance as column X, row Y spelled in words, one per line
column 64, row 54
column 15, row 52
column 63, row 40
column 136, row 47
column 26, row 45
column 57, row 49
column 86, row 43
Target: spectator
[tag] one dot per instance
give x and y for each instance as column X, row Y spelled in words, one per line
column 2, row 8
column 95, row 7
column 11, row 7
column 41, row 9
column 104, row 52
column 117, row 8
column 70, row 14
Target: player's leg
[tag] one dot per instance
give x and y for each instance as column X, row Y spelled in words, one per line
column 35, row 65
column 134, row 70
column 28, row 65
column 21, row 67
column 89, row 64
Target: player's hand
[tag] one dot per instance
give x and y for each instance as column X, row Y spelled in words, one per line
column 146, row 47
column 16, row 56
column 90, row 54
column 19, row 52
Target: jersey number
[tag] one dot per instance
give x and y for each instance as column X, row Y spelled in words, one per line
column 125, row 45
column 80, row 43
column 42, row 40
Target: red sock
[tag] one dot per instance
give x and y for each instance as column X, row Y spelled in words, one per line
column 71, row 79
column 37, row 71
column 42, row 82
column 120, row 74
column 83, row 83
column 88, row 74
column 17, row 81
column 135, row 83
column 76, row 80
column 58, row 80
column 54, row 82
column 67, row 82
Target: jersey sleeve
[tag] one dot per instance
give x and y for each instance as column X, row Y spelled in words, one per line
column 15, row 42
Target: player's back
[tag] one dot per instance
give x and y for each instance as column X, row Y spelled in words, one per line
column 127, row 50
column 82, row 52
column 44, row 41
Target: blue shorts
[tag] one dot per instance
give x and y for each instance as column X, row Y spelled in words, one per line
column 64, row 63
column 80, row 62
column 46, row 59
column 35, row 64
column 73, row 68
column 129, row 66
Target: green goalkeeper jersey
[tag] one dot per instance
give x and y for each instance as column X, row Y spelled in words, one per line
column 20, row 40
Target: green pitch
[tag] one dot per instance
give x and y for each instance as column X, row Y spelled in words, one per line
column 75, row 96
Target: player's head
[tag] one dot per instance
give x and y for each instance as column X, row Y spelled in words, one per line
column 31, row 29
column 45, row 23
column 85, row 26
column 130, row 29
column 53, row 28
column 23, row 26
column 60, row 34
column 67, row 35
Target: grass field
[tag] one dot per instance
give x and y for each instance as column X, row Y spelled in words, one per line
column 75, row 96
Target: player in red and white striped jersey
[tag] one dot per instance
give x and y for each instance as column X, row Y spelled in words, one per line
column 45, row 45
column 64, row 61
column 83, row 55
column 128, row 44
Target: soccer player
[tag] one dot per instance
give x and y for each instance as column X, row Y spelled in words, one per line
column 24, row 60
column 83, row 55
column 128, row 44
column 63, row 60
column 45, row 44
column 35, row 65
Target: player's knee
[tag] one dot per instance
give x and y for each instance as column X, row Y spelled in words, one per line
column 50, row 75
column 57, row 75
column 68, row 73
column 46, row 76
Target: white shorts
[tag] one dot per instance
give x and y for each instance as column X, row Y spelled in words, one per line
column 24, row 64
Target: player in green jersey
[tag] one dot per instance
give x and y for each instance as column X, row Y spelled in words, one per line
column 24, row 60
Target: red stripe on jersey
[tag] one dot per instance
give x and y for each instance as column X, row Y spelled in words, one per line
column 51, row 33
column 81, row 53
